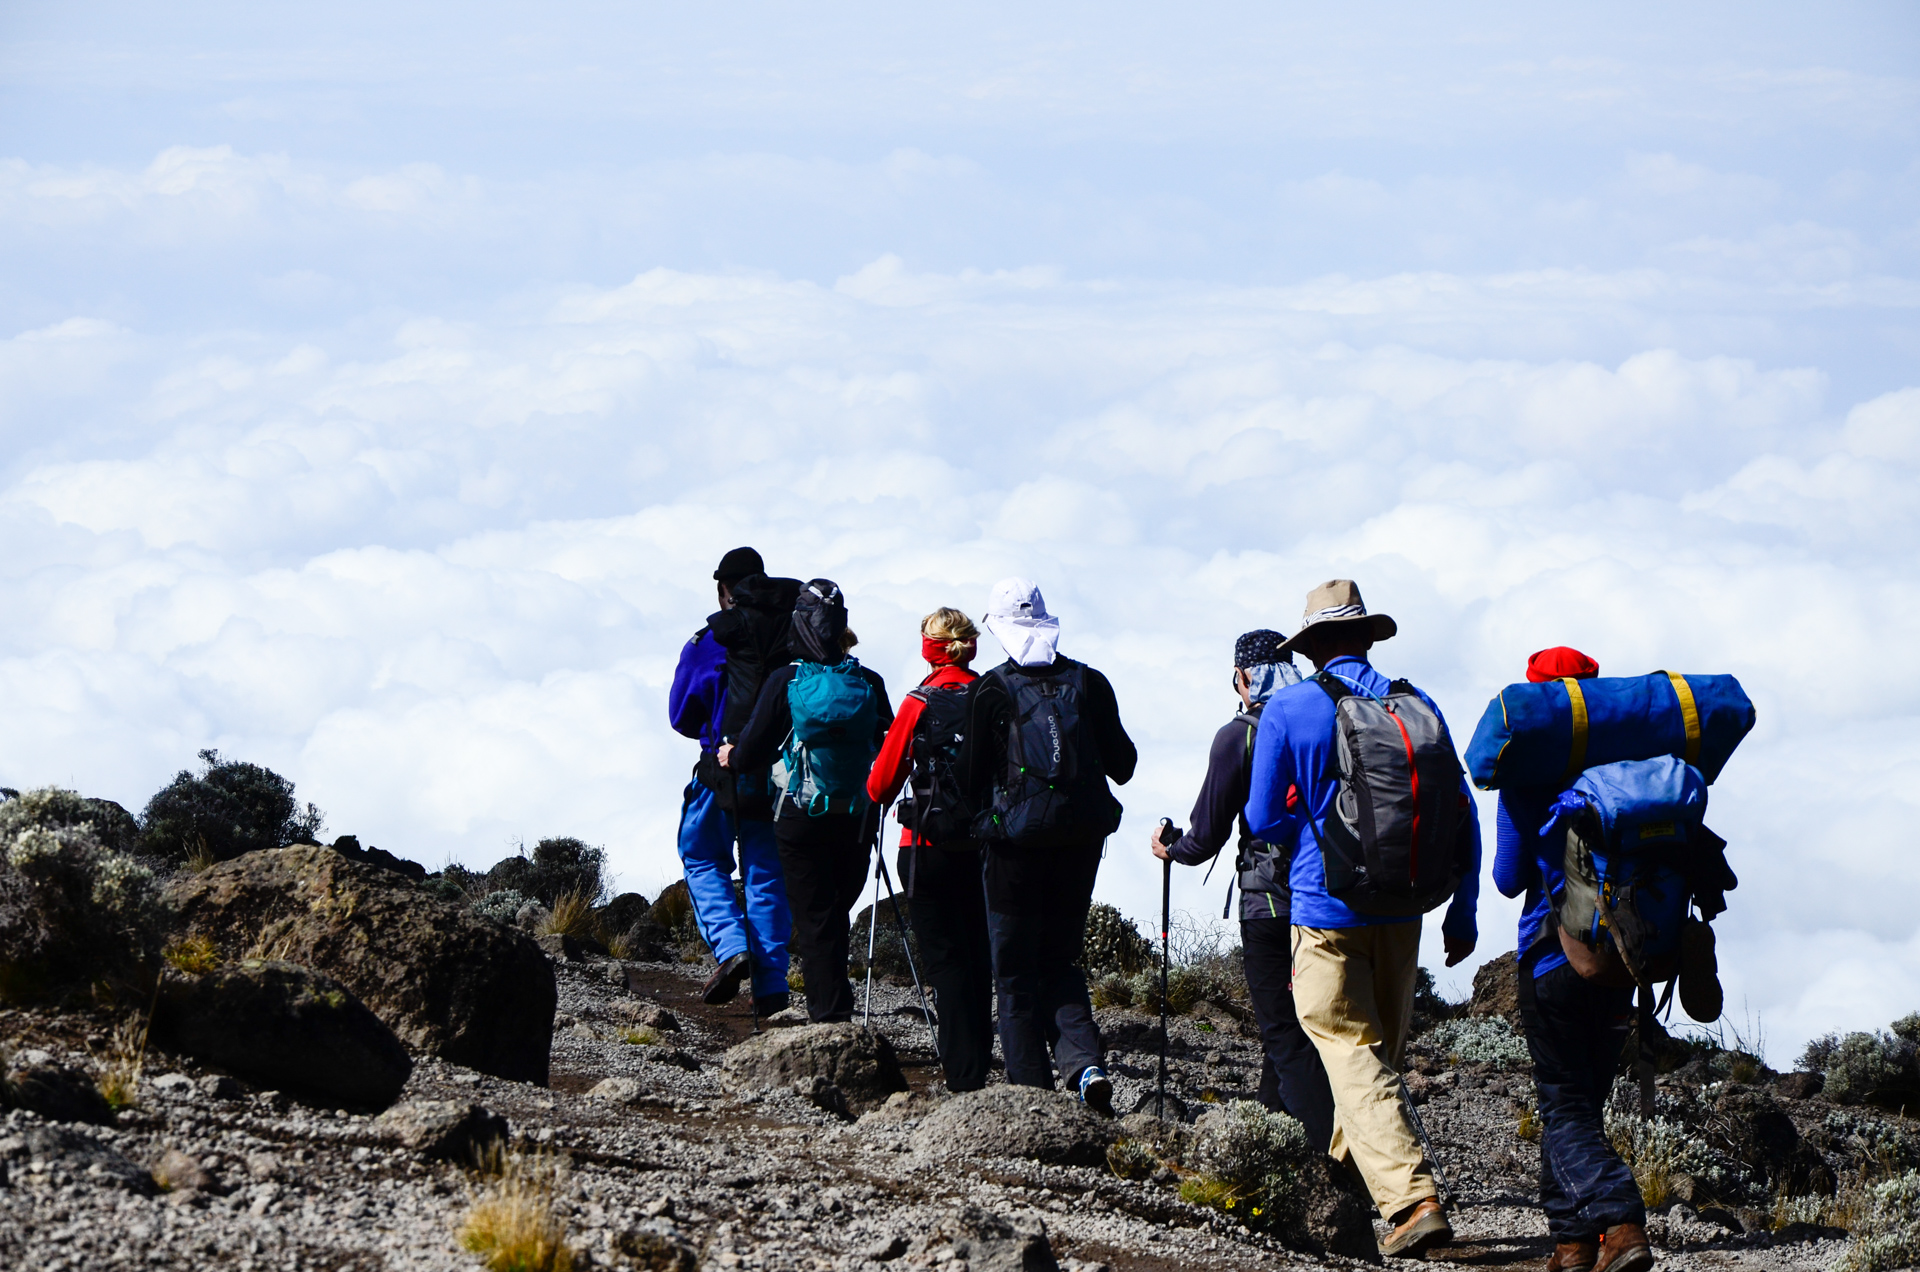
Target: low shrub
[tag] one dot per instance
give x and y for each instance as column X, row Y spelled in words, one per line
column 1881, row 1068
column 72, row 910
column 1113, row 945
column 500, row 906
column 1479, row 1040
column 228, row 808
column 1111, row 990
column 1252, row 1164
column 193, row 955
column 1658, row 1149
column 1886, row 1227
column 554, row 868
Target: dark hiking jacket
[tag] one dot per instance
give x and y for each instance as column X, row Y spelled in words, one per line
column 1261, row 868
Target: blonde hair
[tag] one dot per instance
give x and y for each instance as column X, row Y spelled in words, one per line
column 953, row 627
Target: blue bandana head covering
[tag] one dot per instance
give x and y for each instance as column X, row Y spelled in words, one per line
column 1266, row 679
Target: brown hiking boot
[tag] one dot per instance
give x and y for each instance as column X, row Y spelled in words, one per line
column 1624, row 1249
column 1424, row 1227
column 1574, row 1256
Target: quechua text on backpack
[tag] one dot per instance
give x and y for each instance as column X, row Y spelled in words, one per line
column 1639, row 860
column 1395, row 841
column 936, row 809
column 1053, row 790
column 823, row 766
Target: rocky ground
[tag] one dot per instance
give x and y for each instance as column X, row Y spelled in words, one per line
column 677, row 1154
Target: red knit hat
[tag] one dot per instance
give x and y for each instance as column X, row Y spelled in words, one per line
column 1560, row 662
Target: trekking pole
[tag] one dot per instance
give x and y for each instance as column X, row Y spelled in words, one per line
column 907, row 945
column 1166, row 925
column 873, row 922
column 1420, row 1129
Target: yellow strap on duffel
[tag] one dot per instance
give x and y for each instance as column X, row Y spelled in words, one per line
column 1577, row 703
column 1689, row 714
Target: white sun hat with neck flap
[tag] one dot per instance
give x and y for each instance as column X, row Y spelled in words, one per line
column 1017, row 616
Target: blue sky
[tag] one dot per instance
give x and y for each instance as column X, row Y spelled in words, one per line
column 378, row 384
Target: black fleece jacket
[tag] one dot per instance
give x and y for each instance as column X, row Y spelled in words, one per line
column 983, row 756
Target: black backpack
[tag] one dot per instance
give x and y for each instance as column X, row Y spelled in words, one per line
column 1394, row 841
column 936, row 809
column 1053, row 790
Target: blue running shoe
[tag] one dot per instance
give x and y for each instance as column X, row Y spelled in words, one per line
column 1096, row 1090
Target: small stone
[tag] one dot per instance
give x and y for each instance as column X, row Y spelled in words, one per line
column 447, row 1129
column 642, row 1012
column 177, row 1172
column 218, row 1086
column 660, row 1209
column 172, row 1083
column 262, row 1165
column 617, row 1090
column 891, row 1248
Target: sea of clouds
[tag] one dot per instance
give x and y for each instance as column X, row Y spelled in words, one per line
column 371, row 416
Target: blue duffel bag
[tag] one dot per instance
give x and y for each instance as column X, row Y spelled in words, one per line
column 1546, row 734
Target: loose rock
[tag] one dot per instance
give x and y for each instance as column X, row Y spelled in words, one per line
column 444, row 1129
column 59, row 1093
column 1014, row 1121
column 858, row 1061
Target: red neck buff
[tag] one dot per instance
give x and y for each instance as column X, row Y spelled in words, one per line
column 1558, row 662
column 935, row 652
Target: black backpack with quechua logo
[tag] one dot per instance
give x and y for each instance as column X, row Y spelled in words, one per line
column 1052, row 790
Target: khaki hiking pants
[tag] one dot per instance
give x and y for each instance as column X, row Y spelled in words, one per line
column 1353, row 988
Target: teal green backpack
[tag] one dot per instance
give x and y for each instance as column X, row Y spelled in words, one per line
column 823, row 766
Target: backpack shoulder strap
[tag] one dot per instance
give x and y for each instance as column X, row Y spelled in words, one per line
column 1403, row 686
column 1335, row 687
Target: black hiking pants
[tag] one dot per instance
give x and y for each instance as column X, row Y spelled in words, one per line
column 1575, row 1031
column 825, row 861
column 1292, row 1079
column 1037, row 901
column 950, row 924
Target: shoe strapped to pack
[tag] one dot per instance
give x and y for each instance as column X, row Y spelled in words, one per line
column 1096, row 1090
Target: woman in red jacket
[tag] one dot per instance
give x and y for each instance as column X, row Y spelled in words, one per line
column 940, row 865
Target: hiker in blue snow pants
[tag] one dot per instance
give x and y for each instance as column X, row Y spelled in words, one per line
column 760, row 928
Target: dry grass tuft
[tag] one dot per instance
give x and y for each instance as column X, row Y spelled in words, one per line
column 126, row 1052
column 644, row 1036
column 512, row 1222
column 192, row 954
column 618, row 947
column 572, row 915
column 199, row 856
column 1529, row 1128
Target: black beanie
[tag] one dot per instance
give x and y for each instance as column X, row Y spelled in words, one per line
column 738, row 564
column 1258, row 647
column 819, row 620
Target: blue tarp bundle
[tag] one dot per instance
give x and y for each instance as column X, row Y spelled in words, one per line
column 1542, row 735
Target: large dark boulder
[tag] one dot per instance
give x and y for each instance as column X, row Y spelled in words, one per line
column 448, row 982
column 284, row 1026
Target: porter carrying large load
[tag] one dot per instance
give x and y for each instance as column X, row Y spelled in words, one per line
column 1547, row 734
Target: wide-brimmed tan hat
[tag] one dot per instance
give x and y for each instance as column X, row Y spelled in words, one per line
column 1338, row 601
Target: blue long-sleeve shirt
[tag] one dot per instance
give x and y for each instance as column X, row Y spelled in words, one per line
column 1523, row 861
column 1293, row 748
column 699, row 693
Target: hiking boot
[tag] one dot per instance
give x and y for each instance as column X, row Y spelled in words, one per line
column 724, row 985
column 1424, row 1227
column 1096, row 1090
column 770, row 1004
column 1624, row 1249
column 1574, row 1256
